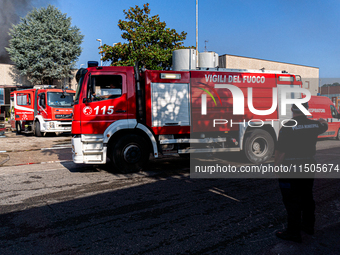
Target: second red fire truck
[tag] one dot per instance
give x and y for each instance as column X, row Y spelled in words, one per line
column 323, row 107
column 43, row 109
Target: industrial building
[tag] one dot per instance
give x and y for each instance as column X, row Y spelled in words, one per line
column 333, row 93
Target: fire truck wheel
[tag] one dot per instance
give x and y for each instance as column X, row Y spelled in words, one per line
column 184, row 155
column 258, row 146
column 130, row 154
column 37, row 129
column 18, row 127
column 338, row 135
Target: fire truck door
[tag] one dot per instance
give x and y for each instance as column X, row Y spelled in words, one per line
column 42, row 105
column 23, row 105
column 105, row 103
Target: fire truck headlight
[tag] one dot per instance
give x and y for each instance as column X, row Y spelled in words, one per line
column 49, row 125
column 170, row 76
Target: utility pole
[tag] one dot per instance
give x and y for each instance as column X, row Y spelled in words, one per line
column 196, row 32
column 205, row 47
column 100, row 44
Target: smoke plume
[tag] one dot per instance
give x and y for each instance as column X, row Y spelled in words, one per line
column 10, row 13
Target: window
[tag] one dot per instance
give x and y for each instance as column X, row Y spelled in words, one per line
column 59, row 99
column 334, row 112
column 42, row 100
column 2, row 97
column 105, row 87
column 23, row 99
column 307, row 84
column 286, row 78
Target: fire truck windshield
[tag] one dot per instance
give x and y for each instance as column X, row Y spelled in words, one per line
column 60, row 99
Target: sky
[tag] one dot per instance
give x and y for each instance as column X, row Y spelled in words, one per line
column 304, row 32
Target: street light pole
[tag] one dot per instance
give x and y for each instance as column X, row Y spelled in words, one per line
column 196, row 33
column 100, row 44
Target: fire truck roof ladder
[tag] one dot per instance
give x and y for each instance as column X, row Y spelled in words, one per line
column 44, row 86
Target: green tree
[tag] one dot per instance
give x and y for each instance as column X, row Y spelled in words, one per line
column 44, row 46
column 149, row 41
column 331, row 85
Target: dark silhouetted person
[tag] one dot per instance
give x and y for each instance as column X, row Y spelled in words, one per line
column 297, row 146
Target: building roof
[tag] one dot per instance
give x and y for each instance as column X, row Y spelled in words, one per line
column 268, row 60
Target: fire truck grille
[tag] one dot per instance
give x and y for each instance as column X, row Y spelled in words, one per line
column 64, row 125
column 63, row 116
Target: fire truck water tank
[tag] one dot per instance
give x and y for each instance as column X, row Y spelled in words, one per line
column 184, row 59
column 208, row 59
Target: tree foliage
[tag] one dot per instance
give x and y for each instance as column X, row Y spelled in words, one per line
column 149, row 41
column 44, row 45
column 331, row 85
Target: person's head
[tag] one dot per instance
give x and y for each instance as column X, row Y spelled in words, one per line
column 296, row 111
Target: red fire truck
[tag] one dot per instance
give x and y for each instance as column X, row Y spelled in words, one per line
column 43, row 109
column 126, row 114
column 323, row 107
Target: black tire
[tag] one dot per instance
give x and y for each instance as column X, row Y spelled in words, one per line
column 338, row 135
column 37, row 131
column 50, row 134
column 185, row 155
column 130, row 154
column 18, row 127
column 258, row 146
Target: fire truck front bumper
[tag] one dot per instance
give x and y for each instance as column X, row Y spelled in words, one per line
column 88, row 149
column 56, row 126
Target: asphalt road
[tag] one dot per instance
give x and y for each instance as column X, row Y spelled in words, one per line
column 57, row 207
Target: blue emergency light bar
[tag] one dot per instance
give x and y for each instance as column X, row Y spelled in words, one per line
column 92, row 63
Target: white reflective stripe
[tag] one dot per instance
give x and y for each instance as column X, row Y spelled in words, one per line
column 24, row 108
column 333, row 120
column 188, row 140
column 119, row 125
column 42, row 109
